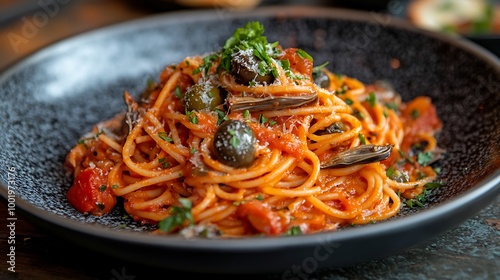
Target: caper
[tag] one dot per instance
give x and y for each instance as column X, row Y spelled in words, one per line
column 336, row 127
column 401, row 177
column 246, row 69
column 234, row 144
column 202, row 96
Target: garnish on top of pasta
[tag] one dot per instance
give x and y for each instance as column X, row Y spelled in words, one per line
column 254, row 139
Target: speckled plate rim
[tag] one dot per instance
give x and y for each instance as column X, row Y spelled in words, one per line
column 457, row 209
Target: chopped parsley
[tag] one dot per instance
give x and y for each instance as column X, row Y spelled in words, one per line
column 164, row 136
column 150, row 84
column 424, row 158
column 295, row 230
column 207, row 64
column 178, row 92
column 238, row 203
column 251, row 37
column 304, row 55
column 221, row 115
column 179, row 215
column 397, row 175
column 415, row 114
column 234, row 141
column 389, row 172
column 192, row 117
column 263, row 120
column 420, row 199
column 317, row 69
column 371, row 99
column 362, row 138
column 94, row 137
column 343, row 89
column 392, row 106
column 163, row 162
column 285, row 63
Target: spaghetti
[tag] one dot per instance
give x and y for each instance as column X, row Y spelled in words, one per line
column 254, row 139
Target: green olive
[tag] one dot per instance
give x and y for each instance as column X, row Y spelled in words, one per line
column 202, row 96
column 245, row 68
column 234, row 144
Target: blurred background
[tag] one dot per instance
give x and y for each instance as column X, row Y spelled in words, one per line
column 28, row 25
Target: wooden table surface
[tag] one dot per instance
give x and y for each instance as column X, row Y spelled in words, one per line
column 470, row 251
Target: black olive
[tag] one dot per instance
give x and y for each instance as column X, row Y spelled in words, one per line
column 245, row 68
column 234, row 144
column 202, row 96
column 321, row 79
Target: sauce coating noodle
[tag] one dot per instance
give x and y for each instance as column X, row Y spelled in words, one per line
column 162, row 159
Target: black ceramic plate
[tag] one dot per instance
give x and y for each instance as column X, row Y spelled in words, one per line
column 49, row 99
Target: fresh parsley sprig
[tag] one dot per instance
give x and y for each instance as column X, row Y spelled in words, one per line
column 251, row 36
column 180, row 214
column 421, row 199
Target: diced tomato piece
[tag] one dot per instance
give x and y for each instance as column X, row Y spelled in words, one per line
column 300, row 64
column 276, row 139
column 420, row 117
column 261, row 217
column 90, row 193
